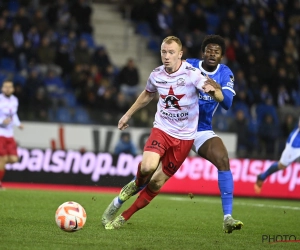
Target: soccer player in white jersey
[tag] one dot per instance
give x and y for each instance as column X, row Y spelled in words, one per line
column 290, row 153
column 172, row 135
column 8, row 119
column 207, row 144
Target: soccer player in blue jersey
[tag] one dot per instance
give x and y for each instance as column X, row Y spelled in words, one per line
column 207, row 144
column 290, row 153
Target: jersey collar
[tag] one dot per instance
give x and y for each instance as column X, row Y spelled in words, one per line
column 208, row 72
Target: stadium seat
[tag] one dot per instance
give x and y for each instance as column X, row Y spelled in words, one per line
column 63, row 115
column 213, row 21
column 2, row 77
column 8, row 64
column 19, row 79
column 143, row 29
column 81, row 116
column 153, row 45
column 13, row 6
column 89, row 39
column 70, row 99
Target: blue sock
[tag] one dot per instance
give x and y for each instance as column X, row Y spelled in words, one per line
column 225, row 182
column 272, row 169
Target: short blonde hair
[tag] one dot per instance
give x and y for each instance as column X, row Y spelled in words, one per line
column 170, row 39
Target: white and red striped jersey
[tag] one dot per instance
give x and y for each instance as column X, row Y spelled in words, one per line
column 8, row 109
column 177, row 107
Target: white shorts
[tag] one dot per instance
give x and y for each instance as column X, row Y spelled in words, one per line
column 201, row 137
column 289, row 155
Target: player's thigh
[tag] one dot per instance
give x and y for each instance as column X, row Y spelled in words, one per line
column 215, row 151
column 175, row 156
column 12, row 158
column 155, row 148
column 150, row 161
column 158, row 179
column 3, row 148
column 11, row 147
column 289, row 155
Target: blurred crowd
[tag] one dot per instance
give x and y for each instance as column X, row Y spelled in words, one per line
column 47, row 48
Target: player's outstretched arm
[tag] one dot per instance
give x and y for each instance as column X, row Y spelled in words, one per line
column 144, row 98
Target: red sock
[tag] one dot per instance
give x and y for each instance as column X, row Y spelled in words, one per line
column 142, row 200
column 140, row 178
column 2, row 172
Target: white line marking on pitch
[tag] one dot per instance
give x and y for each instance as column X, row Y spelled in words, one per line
column 236, row 203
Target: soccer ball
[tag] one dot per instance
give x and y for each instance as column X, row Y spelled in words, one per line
column 70, row 216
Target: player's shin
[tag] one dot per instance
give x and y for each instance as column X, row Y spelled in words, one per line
column 141, row 180
column 272, row 169
column 225, row 182
column 144, row 198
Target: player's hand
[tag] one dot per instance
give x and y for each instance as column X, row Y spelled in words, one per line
column 210, row 86
column 6, row 121
column 123, row 122
column 21, row 126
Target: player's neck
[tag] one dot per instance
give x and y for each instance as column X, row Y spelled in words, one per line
column 172, row 70
column 7, row 96
column 208, row 68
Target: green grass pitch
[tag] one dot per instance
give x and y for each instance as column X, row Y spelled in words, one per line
column 169, row 222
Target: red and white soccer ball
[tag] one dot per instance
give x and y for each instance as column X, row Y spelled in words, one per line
column 70, row 216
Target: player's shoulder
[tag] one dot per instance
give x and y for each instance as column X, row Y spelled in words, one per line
column 188, row 67
column 14, row 98
column 224, row 69
column 157, row 69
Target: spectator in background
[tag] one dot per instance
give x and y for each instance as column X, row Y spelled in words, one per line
column 198, row 20
column 81, row 53
column 128, row 79
column 82, row 12
column 125, row 145
column 101, row 59
column 268, row 132
column 55, row 87
column 23, row 20
column 240, row 127
column 40, row 104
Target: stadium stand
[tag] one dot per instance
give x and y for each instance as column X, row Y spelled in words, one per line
column 48, row 49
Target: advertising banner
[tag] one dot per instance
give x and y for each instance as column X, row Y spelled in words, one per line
column 196, row 175
column 94, row 138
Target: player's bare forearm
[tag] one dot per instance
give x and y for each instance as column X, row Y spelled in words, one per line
column 218, row 95
column 143, row 99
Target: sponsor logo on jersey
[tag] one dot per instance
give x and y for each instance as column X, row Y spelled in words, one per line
column 171, row 100
column 190, row 68
column 231, row 78
column 180, row 82
column 205, row 97
column 230, row 84
column 162, row 82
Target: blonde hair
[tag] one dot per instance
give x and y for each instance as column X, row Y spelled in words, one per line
column 170, row 39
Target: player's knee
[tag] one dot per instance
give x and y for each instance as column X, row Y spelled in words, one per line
column 148, row 167
column 281, row 166
column 3, row 159
column 12, row 159
column 222, row 162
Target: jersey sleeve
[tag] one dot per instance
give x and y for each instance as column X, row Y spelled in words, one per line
column 150, row 87
column 227, row 82
column 193, row 61
column 198, row 79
